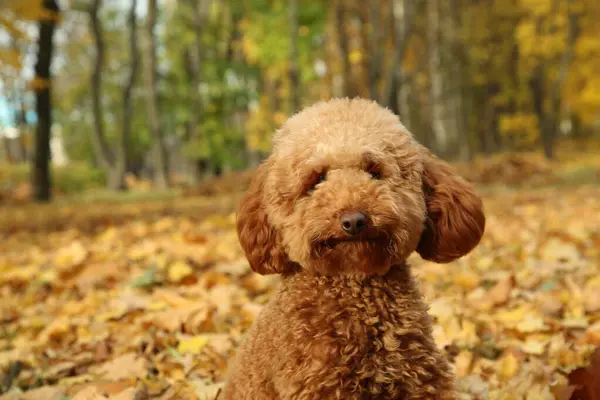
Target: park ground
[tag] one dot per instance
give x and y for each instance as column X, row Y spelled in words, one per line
column 147, row 297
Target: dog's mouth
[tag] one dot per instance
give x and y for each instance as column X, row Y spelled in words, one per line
column 333, row 242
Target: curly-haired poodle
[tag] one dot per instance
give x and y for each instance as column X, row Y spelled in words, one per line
column 345, row 197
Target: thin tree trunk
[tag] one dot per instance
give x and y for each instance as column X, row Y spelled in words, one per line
column 161, row 175
column 7, row 151
column 403, row 99
column 41, row 178
column 294, row 71
column 195, row 57
column 556, row 89
column 455, row 55
column 102, row 151
column 404, row 13
column 435, row 75
column 549, row 118
column 375, row 46
column 23, row 130
column 122, row 160
column 340, row 22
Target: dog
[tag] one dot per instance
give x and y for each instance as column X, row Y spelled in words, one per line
column 345, row 197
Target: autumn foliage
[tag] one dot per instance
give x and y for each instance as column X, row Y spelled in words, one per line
column 150, row 299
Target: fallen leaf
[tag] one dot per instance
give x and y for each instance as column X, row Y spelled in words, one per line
column 509, row 366
column 498, row 295
column 128, row 365
column 192, row 345
column 463, row 363
column 558, row 250
column 178, row 271
column 467, row 279
column 89, row 393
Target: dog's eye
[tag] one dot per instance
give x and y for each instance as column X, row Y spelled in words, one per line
column 321, row 178
column 314, row 180
column 375, row 174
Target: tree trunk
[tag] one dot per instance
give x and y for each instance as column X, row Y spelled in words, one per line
column 102, row 151
column 557, row 84
column 294, row 71
column 7, row 151
column 340, row 23
column 438, row 111
column 161, row 174
column 41, row 167
column 194, row 59
column 537, row 83
column 375, row 46
column 456, row 56
column 403, row 99
column 121, row 163
column 404, row 15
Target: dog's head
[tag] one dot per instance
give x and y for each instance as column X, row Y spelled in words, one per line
column 348, row 190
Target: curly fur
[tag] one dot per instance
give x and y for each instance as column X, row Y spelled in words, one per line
column 348, row 321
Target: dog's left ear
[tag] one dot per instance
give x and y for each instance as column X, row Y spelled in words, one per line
column 455, row 220
column 260, row 241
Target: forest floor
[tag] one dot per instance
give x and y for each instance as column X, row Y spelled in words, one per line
column 149, row 299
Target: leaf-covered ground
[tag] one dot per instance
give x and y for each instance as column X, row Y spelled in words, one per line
column 150, row 300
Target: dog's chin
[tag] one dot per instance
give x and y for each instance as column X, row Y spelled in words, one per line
column 367, row 255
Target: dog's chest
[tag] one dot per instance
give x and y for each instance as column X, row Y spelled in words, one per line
column 375, row 337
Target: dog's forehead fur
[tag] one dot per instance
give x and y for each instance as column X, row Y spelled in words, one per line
column 341, row 125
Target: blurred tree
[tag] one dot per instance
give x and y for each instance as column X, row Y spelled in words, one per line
column 160, row 163
column 113, row 161
column 403, row 15
column 41, row 180
column 342, row 17
column 552, row 23
column 193, row 55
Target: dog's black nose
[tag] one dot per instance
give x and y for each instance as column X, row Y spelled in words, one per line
column 353, row 222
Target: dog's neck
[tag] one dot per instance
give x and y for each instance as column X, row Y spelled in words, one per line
column 396, row 290
column 397, row 272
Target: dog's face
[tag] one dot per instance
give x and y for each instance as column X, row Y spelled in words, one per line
column 348, row 190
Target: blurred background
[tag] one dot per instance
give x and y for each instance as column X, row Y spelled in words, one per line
column 177, row 91
column 129, row 129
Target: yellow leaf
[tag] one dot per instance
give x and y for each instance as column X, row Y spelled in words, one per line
column 126, row 366
column 178, row 271
column 467, row 279
column 535, row 345
column 463, row 363
column 532, row 324
column 192, row 345
column 114, row 314
column 70, row 256
column 22, row 274
column 55, row 331
column 509, row 366
column 557, row 250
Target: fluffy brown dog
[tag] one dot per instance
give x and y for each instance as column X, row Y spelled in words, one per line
column 346, row 196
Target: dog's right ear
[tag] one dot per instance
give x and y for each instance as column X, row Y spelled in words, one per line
column 455, row 219
column 260, row 241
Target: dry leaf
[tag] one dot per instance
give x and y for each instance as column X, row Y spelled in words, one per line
column 89, row 393
column 509, row 366
column 128, row 365
column 192, row 345
column 179, row 270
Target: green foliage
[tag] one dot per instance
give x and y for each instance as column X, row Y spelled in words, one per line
column 73, row 178
column 77, row 177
